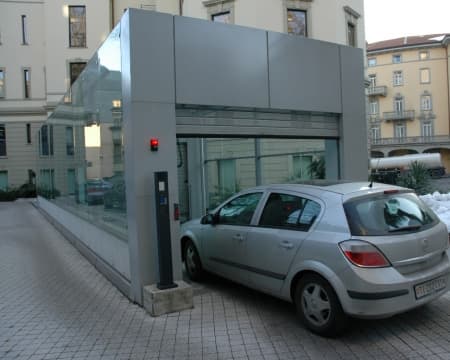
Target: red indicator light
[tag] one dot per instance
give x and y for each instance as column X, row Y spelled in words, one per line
column 154, row 143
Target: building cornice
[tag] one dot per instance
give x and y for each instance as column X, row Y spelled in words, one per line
column 21, row 111
column 406, row 47
column 208, row 3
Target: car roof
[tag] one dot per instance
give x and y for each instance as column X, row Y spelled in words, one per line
column 342, row 187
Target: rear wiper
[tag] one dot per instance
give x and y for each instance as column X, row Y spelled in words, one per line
column 406, row 228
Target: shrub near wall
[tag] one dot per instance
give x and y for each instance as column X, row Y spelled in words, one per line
column 24, row 191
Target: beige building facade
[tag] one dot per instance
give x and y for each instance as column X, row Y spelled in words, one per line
column 45, row 44
column 408, row 97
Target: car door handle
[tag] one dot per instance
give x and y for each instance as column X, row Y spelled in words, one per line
column 286, row 244
column 238, row 237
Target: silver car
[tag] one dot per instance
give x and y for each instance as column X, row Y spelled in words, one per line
column 358, row 249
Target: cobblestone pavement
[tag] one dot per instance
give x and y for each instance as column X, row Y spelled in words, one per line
column 55, row 305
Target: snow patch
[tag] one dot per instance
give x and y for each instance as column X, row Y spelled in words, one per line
column 440, row 204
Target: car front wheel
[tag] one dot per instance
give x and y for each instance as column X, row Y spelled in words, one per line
column 318, row 306
column 192, row 261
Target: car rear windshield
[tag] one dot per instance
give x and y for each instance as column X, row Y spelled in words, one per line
column 388, row 214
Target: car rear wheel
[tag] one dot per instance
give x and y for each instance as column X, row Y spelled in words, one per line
column 192, row 261
column 318, row 306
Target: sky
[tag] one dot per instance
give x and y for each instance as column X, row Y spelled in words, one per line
column 390, row 19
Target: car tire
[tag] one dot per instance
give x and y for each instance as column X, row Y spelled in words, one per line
column 192, row 261
column 318, row 306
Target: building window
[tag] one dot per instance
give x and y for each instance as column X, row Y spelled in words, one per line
column 26, row 83
column 4, row 180
column 351, row 19
column 2, row 83
column 69, row 141
column 24, row 30
column 75, row 70
column 427, row 129
column 396, row 59
column 373, row 107
column 398, row 78
column 47, row 180
column 220, row 10
column 425, row 102
column 351, row 34
column 296, row 22
column 46, row 140
column 425, row 77
column 398, row 105
column 424, row 55
column 28, row 128
column 77, row 26
column 373, row 80
column 371, row 62
column 375, row 134
column 2, row 140
column 224, row 17
column 71, row 181
column 400, row 131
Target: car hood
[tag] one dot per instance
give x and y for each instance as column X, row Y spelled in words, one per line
column 189, row 224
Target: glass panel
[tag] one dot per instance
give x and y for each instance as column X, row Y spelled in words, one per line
column 230, row 167
column 75, row 70
column 283, row 211
column 85, row 136
column 296, row 22
column 372, row 62
column 287, row 160
column 24, row 30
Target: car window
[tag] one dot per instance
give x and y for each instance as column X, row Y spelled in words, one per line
column 289, row 211
column 239, row 211
column 385, row 214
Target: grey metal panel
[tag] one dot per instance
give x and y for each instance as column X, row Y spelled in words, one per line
column 219, row 64
column 303, row 73
column 255, row 123
column 151, row 56
column 353, row 133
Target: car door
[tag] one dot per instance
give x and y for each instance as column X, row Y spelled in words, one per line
column 272, row 245
column 224, row 243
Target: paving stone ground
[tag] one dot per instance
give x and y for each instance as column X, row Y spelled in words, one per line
column 55, row 305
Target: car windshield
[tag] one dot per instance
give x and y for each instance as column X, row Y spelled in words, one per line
column 388, row 214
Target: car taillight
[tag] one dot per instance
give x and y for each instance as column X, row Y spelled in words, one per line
column 363, row 254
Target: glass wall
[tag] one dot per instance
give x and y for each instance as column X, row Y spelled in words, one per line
column 80, row 162
column 232, row 165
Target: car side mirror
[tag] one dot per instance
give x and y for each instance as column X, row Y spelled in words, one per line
column 210, row 219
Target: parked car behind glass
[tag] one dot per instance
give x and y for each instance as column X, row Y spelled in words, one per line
column 95, row 189
column 336, row 250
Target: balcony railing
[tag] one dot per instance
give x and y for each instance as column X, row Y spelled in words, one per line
column 377, row 91
column 412, row 140
column 399, row 115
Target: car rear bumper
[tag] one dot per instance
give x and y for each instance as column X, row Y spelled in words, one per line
column 385, row 292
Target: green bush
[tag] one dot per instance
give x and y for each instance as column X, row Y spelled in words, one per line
column 416, row 178
column 9, row 195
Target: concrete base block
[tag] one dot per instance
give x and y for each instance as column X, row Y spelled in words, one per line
column 158, row 302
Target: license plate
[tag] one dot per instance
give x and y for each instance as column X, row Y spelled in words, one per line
column 430, row 287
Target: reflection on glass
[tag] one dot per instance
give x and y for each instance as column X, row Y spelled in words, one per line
column 81, row 144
